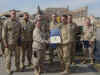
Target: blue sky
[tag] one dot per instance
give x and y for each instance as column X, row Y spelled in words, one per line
column 30, row 5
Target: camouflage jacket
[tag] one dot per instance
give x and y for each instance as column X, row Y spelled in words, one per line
column 88, row 33
column 65, row 33
column 73, row 30
column 27, row 30
column 38, row 39
column 11, row 32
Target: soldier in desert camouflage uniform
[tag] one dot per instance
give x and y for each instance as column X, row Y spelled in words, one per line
column 38, row 46
column 88, row 37
column 27, row 30
column 11, row 34
column 73, row 28
column 65, row 44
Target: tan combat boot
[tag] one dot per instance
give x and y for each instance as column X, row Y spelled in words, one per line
column 8, row 71
column 73, row 63
column 67, row 69
column 36, row 72
column 91, row 61
column 22, row 66
column 84, row 61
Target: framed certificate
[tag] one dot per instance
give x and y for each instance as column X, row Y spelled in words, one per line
column 55, row 39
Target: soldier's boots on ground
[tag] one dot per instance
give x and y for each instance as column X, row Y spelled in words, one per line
column 37, row 70
column 22, row 67
column 85, row 61
column 8, row 70
column 91, row 61
column 67, row 70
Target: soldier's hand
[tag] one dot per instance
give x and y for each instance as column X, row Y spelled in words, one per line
column 46, row 41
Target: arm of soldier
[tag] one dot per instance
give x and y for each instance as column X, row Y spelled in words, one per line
column 39, row 40
column 44, row 41
column 33, row 25
column 33, row 36
column 4, row 34
column 76, row 28
column 82, row 35
column 66, row 42
column 94, row 33
column 69, row 37
column 93, row 38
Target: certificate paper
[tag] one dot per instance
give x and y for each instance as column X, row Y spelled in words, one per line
column 55, row 39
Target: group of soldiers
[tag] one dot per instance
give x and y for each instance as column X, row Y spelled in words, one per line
column 26, row 38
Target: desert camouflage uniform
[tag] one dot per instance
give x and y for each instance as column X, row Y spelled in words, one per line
column 65, row 45
column 89, row 34
column 27, row 30
column 73, row 28
column 11, row 34
column 38, row 47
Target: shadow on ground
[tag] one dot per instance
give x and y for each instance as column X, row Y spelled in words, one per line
column 55, row 68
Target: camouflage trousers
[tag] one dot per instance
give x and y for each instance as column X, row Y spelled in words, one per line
column 8, row 54
column 65, row 53
column 38, row 60
column 26, row 51
column 73, row 51
column 65, row 56
column 88, row 52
